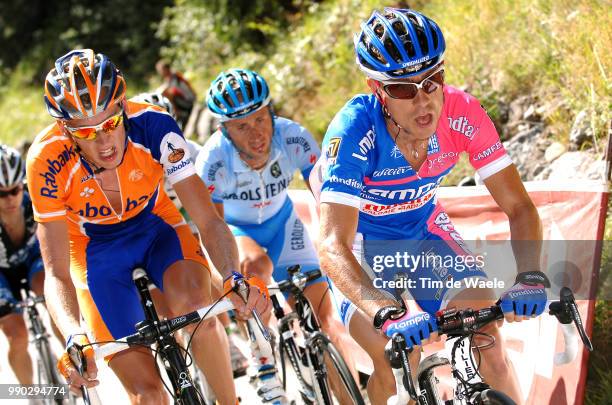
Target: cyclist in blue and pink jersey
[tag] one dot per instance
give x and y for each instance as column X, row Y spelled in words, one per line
column 385, row 155
column 248, row 165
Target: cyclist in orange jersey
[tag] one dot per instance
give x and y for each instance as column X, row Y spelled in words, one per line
column 95, row 178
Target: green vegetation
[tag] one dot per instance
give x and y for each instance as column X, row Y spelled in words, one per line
column 556, row 51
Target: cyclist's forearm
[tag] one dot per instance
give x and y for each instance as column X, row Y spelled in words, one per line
column 526, row 238
column 343, row 268
column 221, row 247
column 62, row 304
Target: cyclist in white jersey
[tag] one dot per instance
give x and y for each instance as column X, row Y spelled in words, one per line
column 248, row 165
column 385, row 155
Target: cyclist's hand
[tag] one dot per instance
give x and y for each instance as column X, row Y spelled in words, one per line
column 70, row 372
column 257, row 295
column 526, row 298
column 418, row 328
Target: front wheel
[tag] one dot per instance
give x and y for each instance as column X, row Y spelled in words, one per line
column 46, row 371
column 348, row 391
column 492, row 397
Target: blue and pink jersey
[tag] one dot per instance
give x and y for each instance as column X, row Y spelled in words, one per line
column 362, row 167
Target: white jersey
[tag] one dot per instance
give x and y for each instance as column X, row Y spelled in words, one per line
column 253, row 196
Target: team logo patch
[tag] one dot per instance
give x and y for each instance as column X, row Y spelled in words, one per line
column 332, row 148
column 135, row 175
column 313, row 158
column 275, row 170
column 87, row 191
column 176, row 154
column 432, row 145
column 211, row 188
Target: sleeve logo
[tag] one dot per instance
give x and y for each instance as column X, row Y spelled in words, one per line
column 176, row 154
column 332, row 148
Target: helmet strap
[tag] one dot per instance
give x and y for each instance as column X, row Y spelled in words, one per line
column 94, row 167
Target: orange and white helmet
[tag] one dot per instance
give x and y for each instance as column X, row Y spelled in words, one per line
column 82, row 84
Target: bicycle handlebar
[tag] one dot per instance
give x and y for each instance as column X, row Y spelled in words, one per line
column 453, row 322
column 146, row 336
column 28, row 302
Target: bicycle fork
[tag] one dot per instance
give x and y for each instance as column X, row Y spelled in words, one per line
column 180, row 378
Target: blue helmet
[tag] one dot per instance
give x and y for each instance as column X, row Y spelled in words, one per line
column 237, row 93
column 397, row 44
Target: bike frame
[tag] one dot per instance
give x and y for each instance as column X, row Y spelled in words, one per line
column 168, row 348
column 153, row 330
column 310, row 328
column 39, row 335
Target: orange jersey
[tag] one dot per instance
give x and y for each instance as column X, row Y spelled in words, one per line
column 63, row 185
column 105, row 246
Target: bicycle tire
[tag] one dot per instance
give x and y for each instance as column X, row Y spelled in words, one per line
column 493, row 397
column 46, row 368
column 323, row 343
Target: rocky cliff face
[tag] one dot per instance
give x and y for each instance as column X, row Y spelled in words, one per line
column 537, row 156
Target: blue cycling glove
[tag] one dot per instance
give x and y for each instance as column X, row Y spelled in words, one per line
column 527, row 297
column 414, row 327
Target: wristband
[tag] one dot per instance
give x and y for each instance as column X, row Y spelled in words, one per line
column 532, row 278
column 385, row 313
column 73, row 333
column 233, row 274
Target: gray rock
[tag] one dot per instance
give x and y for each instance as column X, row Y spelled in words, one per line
column 574, row 165
column 518, row 107
column 527, row 150
column 581, row 130
column 555, row 150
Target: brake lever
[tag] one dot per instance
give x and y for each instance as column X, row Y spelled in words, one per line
column 566, row 312
column 400, row 349
column 78, row 359
column 568, row 297
column 243, row 290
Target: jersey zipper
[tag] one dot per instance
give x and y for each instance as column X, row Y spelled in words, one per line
column 263, row 196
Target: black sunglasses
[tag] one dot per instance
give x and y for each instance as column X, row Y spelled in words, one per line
column 14, row 191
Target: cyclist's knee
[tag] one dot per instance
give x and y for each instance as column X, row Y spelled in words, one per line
column 148, row 394
column 329, row 323
column 16, row 335
column 260, row 266
column 381, row 384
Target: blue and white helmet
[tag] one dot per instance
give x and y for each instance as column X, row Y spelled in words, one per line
column 12, row 167
column 397, row 44
column 237, row 93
